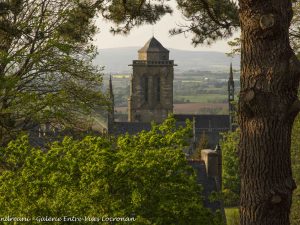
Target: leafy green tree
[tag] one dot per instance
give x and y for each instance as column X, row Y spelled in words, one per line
column 209, row 21
column 145, row 176
column 46, row 71
column 126, row 14
column 230, row 168
column 268, row 102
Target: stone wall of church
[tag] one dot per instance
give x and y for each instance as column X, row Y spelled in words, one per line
column 151, row 96
column 153, row 56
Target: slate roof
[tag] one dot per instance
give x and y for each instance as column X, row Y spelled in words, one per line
column 153, row 45
column 214, row 122
column 212, row 125
column 130, row 127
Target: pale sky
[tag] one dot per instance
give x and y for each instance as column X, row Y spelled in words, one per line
column 140, row 35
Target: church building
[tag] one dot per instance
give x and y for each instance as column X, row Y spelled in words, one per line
column 151, row 91
column 151, row 98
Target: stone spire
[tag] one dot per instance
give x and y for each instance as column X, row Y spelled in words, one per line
column 111, row 110
column 111, row 93
column 231, row 98
column 231, row 73
column 230, row 85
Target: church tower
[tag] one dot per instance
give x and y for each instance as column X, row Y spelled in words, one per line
column 231, row 98
column 151, row 91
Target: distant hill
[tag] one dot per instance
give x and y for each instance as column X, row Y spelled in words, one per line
column 116, row 60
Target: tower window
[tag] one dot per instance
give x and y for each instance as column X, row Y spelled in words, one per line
column 146, row 89
column 158, row 89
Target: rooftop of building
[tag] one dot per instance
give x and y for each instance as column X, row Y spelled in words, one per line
column 153, row 45
column 206, row 121
column 215, row 123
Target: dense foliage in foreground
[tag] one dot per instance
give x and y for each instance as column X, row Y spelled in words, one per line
column 230, row 174
column 144, row 176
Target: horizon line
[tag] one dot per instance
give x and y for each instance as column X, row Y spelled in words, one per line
column 189, row 50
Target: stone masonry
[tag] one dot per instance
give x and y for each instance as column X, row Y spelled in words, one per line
column 151, row 91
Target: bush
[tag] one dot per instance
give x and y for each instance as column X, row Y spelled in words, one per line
column 230, row 173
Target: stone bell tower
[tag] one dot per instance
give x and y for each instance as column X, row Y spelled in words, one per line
column 151, row 92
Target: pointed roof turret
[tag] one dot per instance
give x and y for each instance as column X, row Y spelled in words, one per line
column 153, row 51
column 153, row 45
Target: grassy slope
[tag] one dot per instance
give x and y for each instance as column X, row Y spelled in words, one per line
column 232, row 216
column 205, row 98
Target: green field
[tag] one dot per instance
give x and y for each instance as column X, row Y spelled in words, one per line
column 203, row 98
column 232, row 216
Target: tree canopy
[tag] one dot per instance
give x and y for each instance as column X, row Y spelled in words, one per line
column 208, row 20
column 46, row 74
column 230, row 168
column 145, row 176
column 46, row 71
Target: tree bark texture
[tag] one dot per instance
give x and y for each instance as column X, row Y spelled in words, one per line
column 268, row 105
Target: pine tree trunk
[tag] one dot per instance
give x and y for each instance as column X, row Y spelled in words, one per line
column 267, row 107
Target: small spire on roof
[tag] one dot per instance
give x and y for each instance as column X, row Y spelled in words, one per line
column 231, row 72
column 111, row 93
column 153, row 45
